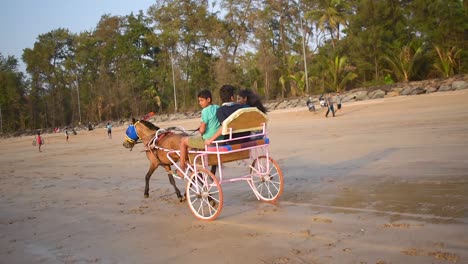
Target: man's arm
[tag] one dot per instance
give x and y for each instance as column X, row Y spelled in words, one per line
column 202, row 128
column 215, row 136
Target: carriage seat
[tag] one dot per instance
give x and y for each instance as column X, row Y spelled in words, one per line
column 248, row 119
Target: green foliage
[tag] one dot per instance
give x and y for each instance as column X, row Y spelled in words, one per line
column 403, row 61
column 130, row 65
column 338, row 73
column 448, row 61
column 388, row 79
column 12, row 95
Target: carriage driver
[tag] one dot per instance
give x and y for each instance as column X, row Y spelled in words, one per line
column 208, row 127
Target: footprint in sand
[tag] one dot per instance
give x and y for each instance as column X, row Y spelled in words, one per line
column 412, row 252
column 307, row 233
column 447, row 256
column 322, row 220
column 283, row 260
column 439, row 244
column 400, row 225
column 136, row 211
column 395, row 225
column 295, row 251
column 444, row 256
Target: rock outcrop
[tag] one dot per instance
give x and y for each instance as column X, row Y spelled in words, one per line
column 458, row 82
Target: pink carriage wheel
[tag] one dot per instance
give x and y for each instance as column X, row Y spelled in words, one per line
column 204, row 195
column 267, row 178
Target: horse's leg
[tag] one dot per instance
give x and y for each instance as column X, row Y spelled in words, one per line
column 151, row 169
column 213, row 169
column 172, row 181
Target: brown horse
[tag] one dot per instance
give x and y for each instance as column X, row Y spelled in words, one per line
column 146, row 131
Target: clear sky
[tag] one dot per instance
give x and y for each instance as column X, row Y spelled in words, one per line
column 22, row 21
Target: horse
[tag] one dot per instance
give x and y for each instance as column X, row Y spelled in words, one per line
column 146, row 131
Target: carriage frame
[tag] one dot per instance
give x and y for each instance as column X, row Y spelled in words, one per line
column 203, row 189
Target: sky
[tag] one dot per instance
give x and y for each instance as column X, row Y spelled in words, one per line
column 22, row 21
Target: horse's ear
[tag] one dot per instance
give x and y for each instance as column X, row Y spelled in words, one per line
column 133, row 120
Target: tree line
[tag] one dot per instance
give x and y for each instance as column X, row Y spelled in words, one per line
column 159, row 59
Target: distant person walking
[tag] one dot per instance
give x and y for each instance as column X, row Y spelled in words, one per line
column 109, row 130
column 39, row 140
column 310, row 105
column 338, row 101
column 67, row 133
column 329, row 100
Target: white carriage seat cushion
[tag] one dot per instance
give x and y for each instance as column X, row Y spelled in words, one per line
column 244, row 119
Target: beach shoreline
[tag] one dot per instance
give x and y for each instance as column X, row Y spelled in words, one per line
column 385, row 181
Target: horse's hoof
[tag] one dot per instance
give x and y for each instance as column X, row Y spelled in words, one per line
column 146, row 195
column 214, row 204
column 182, row 199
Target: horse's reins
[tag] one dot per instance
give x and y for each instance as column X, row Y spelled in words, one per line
column 160, row 134
column 152, row 145
column 163, row 132
column 180, row 129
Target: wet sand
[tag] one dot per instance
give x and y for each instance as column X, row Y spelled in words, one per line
column 385, row 181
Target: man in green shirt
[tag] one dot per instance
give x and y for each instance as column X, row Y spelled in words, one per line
column 208, row 127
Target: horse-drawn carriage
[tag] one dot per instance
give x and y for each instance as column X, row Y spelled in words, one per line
column 203, row 189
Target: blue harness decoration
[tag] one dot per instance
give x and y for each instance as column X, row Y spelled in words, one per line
column 131, row 134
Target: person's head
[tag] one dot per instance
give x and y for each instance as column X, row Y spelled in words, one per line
column 204, row 98
column 251, row 99
column 38, row 133
column 338, row 93
column 227, row 93
column 243, row 96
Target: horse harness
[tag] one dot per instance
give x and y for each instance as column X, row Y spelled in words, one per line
column 152, row 145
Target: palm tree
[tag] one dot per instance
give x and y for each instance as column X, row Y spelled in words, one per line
column 339, row 73
column 297, row 83
column 447, row 62
column 329, row 16
column 403, row 63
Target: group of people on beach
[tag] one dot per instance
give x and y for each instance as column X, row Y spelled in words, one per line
column 328, row 102
column 212, row 116
column 40, row 140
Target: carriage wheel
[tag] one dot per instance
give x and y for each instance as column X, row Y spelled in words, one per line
column 34, row 142
column 267, row 178
column 204, row 195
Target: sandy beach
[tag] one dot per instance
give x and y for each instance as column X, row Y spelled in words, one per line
column 385, row 181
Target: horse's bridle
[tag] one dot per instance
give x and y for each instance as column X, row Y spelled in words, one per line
column 131, row 135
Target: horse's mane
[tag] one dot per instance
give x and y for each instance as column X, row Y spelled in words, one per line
column 149, row 125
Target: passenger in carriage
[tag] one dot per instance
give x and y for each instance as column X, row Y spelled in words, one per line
column 228, row 107
column 208, row 127
column 249, row 98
